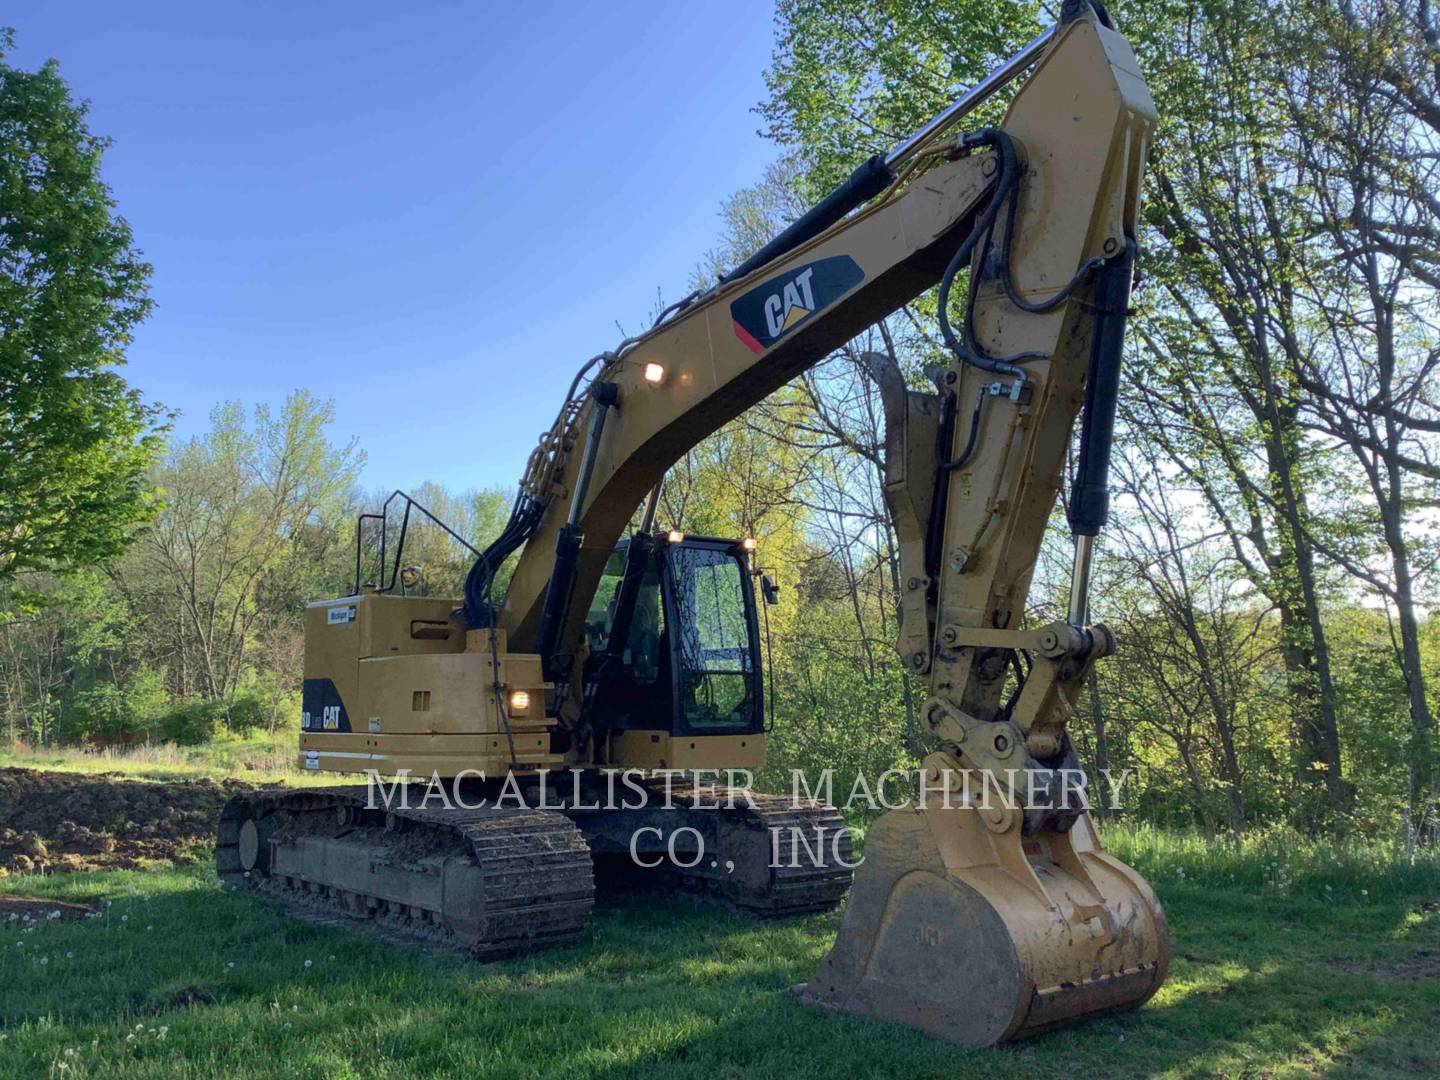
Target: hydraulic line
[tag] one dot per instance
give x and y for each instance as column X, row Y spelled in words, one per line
column 567, row 544
column 973, row 438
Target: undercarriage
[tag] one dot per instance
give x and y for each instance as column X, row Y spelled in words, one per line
column 470, row 870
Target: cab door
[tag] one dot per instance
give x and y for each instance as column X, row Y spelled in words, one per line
column 713, row 639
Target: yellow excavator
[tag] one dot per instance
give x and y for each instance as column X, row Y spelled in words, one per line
column 980, row 917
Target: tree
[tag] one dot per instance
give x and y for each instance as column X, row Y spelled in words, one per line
column 1221, row 328
column 75, row 440
column 238, row 504
column 1365, row 113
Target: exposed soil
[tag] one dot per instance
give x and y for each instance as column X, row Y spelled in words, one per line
column 1420, row 965
column 55, row 822
column 187, row 997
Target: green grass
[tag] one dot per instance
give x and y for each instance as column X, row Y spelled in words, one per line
column 1268, row 980
column 259, row 759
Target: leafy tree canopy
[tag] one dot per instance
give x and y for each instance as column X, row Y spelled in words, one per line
column 75, row 439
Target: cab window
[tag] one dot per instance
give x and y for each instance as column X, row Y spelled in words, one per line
column 601, row 615
column 713, row 648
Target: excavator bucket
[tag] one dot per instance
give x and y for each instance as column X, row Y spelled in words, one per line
column 961, row 927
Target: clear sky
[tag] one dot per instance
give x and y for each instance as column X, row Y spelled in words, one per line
column 430, row 213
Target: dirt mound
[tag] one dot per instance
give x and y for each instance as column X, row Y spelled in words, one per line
column 52, row 821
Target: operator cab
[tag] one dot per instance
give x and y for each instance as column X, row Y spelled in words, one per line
column 674, row 639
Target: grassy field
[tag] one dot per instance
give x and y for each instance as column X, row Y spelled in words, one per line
column 1291, row 960
column 259, row 759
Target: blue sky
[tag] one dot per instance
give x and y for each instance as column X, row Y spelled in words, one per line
column 427, row 212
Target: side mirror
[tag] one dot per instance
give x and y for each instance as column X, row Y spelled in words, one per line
column 769, row 589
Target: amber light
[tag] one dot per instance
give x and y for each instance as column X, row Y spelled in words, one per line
column 748, row 543
column 654, row 374
column 519, row 700
column 675, row 536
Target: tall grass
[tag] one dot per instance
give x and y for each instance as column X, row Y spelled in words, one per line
column 261, row 758
column 1277, row 861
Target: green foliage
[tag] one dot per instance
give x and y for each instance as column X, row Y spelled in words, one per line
column 191, row 722
column 111, row 713
column 250, row 531
column 246, row 712
column 849, row 79
column 75, row 440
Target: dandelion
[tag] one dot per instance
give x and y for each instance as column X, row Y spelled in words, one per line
column 308, row 963
column 70, row 1051
column 124, row 918
column 150, row 928
column 44, row 960
column 332, row 956
column 130, row 1037
column 164, row 1030
column 69, row 956
column 231, row 964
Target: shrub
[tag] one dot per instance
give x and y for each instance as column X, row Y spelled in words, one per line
column 192, row 723
column 247, row 712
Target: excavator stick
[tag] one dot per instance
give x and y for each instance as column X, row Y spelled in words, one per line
column 983, row 916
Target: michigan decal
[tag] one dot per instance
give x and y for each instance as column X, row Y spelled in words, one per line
column 768, row 312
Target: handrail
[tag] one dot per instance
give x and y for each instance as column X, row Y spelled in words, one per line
column 384, row 518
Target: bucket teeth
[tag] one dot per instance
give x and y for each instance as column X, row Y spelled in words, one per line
column 981, row 937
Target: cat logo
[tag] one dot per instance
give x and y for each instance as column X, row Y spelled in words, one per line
column 768, row 312
column 322, row 709
column 784, row 309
